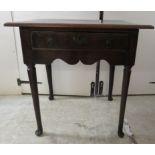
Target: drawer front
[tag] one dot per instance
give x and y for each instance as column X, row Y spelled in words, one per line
column 52, row 40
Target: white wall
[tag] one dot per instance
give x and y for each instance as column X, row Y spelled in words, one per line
column 8, row 59
column 144, row 70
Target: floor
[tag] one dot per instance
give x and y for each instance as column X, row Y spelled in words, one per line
column 77, row 120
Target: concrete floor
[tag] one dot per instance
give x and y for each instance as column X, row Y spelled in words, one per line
column 77, row 120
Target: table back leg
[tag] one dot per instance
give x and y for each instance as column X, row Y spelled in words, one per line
column 34, row 89
column 49, row 78
column 111, row 81
column 125, row 86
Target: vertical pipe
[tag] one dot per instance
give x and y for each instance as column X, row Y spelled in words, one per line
column 98, row 63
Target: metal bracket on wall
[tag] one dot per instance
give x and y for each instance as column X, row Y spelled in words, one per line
column 92, row 89
column 152, row 82
column 19, row 82
column 101, row 87
column 96, row 91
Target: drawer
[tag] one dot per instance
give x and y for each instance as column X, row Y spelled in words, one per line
column 56, row 40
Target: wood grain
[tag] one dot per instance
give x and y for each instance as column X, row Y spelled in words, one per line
column 86, row 24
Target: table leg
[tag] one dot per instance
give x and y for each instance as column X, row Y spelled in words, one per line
column 111, row 81
column 34, row 89
column 49, row 77
column 125, row 86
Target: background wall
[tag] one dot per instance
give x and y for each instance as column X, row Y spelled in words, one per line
column 76, row 79
column 8, row 60
column 143, row 72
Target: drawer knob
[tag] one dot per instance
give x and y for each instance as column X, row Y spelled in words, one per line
column 80, row 40
column 108, row 43
column 50, row 42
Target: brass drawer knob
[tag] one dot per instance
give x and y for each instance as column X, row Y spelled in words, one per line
column 80, row 40
column 108, row 43
column 50, row 42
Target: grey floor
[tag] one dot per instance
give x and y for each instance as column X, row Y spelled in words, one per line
column 77, row 120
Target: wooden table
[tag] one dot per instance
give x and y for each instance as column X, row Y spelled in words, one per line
column 72, row 41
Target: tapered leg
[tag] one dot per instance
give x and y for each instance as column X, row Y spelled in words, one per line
column 111, row 81
column 49, row 77
column 125, row 85
column 34, row 89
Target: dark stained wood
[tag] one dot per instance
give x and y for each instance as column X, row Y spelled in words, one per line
column 76, row 24
column 43, row 41
column 111, row 81
column 78, row 40
column 49, row 77
column 114, row 46
column 97, row 78
column 37, row 51
column 34, row 89
column 125, row 86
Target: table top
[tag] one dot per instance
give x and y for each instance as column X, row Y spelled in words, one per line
column 86, row 24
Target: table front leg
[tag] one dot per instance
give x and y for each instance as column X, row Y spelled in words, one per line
column 111, row 81
column 125, row 86
column 49, row 78
column 34, row 89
